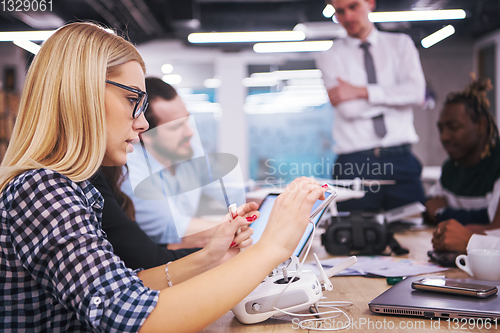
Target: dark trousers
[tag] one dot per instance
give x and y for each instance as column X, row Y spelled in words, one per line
column 398, row 165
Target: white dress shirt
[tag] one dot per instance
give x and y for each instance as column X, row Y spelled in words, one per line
column 400, row 85
column 490, row 241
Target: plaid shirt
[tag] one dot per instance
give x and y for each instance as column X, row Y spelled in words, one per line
column 58, row 272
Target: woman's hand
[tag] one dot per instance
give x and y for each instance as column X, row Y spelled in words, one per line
column 223, row 245
column 290, row 216
column 227, row 241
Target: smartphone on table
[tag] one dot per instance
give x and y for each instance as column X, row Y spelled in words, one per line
column 450, row 286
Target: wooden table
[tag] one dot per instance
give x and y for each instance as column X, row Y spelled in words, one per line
column 359, row 291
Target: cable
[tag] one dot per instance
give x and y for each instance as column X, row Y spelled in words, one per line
column 334, row 305
column 302, row 324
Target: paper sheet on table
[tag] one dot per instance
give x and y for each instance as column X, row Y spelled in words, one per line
column 379, row 265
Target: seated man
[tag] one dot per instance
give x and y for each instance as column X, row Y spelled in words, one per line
column 451, row 236
column 469, row 188
column 175, row 159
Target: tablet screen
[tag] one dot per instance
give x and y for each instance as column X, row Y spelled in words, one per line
column 265, row 211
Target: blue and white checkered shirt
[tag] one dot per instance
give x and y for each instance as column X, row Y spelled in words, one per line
column 58, row 272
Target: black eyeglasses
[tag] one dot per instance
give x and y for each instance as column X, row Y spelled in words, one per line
column 142, row 101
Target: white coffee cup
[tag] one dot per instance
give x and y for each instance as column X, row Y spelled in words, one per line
column 481, row 264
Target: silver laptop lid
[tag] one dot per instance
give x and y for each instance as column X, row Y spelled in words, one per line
column 402, row 299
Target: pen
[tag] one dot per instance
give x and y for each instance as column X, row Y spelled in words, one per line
column 393, row 280
column 233, row 213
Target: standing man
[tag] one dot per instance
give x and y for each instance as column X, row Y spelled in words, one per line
column 373, row 79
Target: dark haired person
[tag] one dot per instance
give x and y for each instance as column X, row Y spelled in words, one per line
column 469, row 188
column 171, row 152
column 129, row 242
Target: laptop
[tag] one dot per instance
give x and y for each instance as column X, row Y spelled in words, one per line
column 265, row 211
column 402, row 299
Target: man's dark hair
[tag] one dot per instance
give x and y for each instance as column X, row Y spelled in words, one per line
column 157, row 88
column 477, row 105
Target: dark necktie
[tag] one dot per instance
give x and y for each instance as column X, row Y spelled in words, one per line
column 378, row 121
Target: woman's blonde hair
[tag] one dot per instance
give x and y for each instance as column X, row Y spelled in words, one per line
column 61, row 124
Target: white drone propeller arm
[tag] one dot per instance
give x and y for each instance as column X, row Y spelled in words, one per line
column 340, row 267
column 324, row 277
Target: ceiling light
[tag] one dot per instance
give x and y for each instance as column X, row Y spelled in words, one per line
column 40, row 20
column 212, row 83
column 321, row 30
column 264, row 76
column 28, row 45
column 438, row 36
column 172, row 79
column 259, row 82
column 246, row 37
column 417, row 15
column 328, row 11
column 39, row 35
column 10, row 36
column 305, row 82
column 308, row 46
column 299, row 74
column 195, row 98
column 289, row 75
column 167, row 69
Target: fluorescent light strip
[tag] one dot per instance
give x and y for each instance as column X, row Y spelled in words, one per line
column 438, row 36
column 308, row 46
column 39, row 35
column 167, row 68
column 328, row 11
column 289, row 74
column 259, row 82
column 212, row 83
column 28, row 45
column 172, row 79
column 417, row 15
column 299, row 74
column 10, row 36
column 246, row 37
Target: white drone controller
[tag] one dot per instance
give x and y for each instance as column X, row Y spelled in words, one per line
column 305, row 291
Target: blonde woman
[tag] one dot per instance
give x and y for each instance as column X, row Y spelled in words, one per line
column 81, row 108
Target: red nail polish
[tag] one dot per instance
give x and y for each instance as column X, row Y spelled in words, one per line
column 325, row 186
column 254, row 217
column 233, row 244
column 235, row 215
column 250, row 219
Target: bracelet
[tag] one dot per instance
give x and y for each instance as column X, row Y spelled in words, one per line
column 168, row 275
